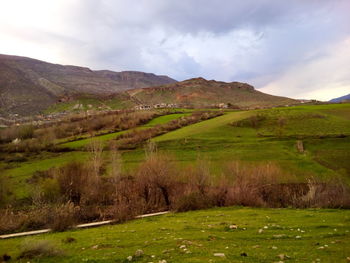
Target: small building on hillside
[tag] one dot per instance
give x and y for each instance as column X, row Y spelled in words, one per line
column 143, row 107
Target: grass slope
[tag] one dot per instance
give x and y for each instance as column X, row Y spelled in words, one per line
column 308, row 235
column 19, row 175
column 318, row 126
column 106, row 137
column 220, row 142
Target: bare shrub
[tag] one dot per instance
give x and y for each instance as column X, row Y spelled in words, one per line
column 5, row 191
column 11, row 221
column 63, row 217
column 124, row 211
column 156, row 180
column 200, row 178
column 49, row 191
column 71, row 179
column 21, row 132
column 193, row 201
column 31, row 249
column 332, row 194
column 250, row 182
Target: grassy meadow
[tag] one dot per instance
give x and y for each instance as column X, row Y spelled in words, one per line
column 301, row 143
column 262, row 235
column 323, row 129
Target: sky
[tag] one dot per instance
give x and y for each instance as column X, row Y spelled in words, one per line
column 299, row 49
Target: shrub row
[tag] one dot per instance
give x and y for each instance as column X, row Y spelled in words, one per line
column 78, row 193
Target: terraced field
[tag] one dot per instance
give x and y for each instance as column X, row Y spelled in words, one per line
column 323, row 129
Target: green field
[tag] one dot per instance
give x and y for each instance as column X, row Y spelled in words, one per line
column 287, row 235
column 323, row 129
column 19, row 173
column 252, row 137
column 78, row 144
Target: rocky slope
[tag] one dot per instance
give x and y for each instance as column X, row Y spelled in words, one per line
column 28, row 85
column 199, row 92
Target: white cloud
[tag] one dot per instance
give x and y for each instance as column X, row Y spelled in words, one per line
column 322, row 78
column 261, row 42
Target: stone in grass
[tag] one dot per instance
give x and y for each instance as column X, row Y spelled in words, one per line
column 244, row 254
column 233, row 226
column 219, row 255
column 129, row 258
column 139, row 253
column 283, row 256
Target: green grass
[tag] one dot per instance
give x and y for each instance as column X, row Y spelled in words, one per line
column 19, row 174
column 220, row 142
column 204, row 127
column 165, row 119
column 78, row 144
column 196, row 236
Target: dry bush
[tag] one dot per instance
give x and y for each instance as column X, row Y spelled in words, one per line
column 124, row 211
column 31, row 249
column 49, row 190
column 71, row 180
column 79, row 183
column 21, row 132
column 156, row 180
column 5, row 191
column 193, row 201
column 63, row 217
column 196, row 190
column 332, row 194
column 251, row 183
column 11, row 221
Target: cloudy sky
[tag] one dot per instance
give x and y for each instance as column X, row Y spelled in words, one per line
column 299, row 48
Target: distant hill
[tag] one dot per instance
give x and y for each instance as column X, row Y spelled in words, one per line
column 340, row 99
column 28, row 85
column 199, row 92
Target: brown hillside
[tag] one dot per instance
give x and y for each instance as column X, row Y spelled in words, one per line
column 199, row 92
column 29, row 85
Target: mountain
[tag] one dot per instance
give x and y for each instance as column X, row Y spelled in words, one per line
column 28, row 85
column 199, row 92
column 340, row 99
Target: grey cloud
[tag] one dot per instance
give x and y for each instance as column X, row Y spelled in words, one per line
column 251, row 41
